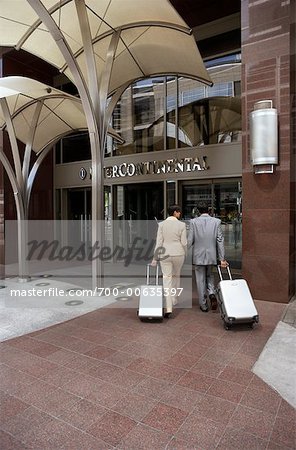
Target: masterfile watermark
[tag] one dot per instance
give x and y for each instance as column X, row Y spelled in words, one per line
column 34, row 292
column 138, row 250
column 62, row 254
column 57, row 292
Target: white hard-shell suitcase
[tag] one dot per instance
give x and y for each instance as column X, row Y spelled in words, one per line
column 151, row 298
column 235, row 301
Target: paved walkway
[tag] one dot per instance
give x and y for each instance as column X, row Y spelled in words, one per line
column 106, row 380
column 290, row 313
column 21, row 314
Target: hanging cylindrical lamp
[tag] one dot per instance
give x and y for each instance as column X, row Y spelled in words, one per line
column 264, row 137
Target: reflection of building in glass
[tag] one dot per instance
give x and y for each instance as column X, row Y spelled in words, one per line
column 170, row 112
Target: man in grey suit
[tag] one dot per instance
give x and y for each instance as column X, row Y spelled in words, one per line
column 206, row 236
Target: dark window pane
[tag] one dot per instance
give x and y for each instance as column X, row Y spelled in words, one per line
column 76, row 148
column 58, row 159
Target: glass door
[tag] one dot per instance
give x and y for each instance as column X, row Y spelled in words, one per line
column 79, row 215
column 228, row 207
column 192, row 195
column 137, row 208
column 224, row 199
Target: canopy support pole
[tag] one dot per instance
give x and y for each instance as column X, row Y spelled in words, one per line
column 98, row 89
column 92, row 117
column 16, row 179
column 21, row 180
column 94, row 100
column 97, row 179
column 21, row 222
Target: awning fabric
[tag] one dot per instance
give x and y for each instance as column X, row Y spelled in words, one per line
column 60, row 113
column 154, row 38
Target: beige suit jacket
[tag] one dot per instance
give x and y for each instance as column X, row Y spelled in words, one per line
column 171, row 236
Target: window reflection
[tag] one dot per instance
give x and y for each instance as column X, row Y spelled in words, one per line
column 144, row 132
column 171, row 112
column 175, row 112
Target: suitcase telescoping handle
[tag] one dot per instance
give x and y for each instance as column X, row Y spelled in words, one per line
column 220, row 272
column 148, row 274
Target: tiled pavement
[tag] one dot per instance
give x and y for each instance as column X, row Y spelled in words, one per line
column 106, row 380
column 290, row 313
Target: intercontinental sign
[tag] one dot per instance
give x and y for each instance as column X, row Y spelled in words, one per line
column 174, row 165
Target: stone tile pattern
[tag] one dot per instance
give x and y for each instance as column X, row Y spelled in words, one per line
column 290, row 313
column 187, row 383
column 268, row 73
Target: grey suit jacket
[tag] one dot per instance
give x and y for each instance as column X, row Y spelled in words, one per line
column 205, row 234
column 171, row 236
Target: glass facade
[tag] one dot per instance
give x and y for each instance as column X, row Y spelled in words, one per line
column 139, row 117
column 177, row 112
column 162, row 114
column 170, row 112
column 73, row 148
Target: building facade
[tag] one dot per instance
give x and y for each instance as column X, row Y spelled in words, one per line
column 185, row 142
column 182, row 145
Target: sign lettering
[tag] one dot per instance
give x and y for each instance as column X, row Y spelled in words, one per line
column 157, row 167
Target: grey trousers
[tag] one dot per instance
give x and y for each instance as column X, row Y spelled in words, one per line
column 204, row 283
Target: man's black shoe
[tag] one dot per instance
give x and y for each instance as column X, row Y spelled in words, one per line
column 167, row 315
column 204, row 309
column 213, row 301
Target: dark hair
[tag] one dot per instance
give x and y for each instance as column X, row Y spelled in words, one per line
column 172, row 209
column 203, row 207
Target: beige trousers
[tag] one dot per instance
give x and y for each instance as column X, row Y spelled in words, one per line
column 171, row 271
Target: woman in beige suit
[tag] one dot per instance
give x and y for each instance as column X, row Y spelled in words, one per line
column 171, row 238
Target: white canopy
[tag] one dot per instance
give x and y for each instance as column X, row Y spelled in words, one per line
column 102, row 46
column 59, row 113
column 154, row 39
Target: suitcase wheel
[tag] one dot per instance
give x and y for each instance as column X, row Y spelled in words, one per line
column 227, row 326
column 152, row 319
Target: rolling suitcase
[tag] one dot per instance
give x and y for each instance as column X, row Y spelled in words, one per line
column 151, row 298
column 235, row 301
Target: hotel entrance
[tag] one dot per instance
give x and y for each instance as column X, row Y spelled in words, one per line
column 73, row 208
column 136, row 210
column 141, row 201
column 225, row 200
